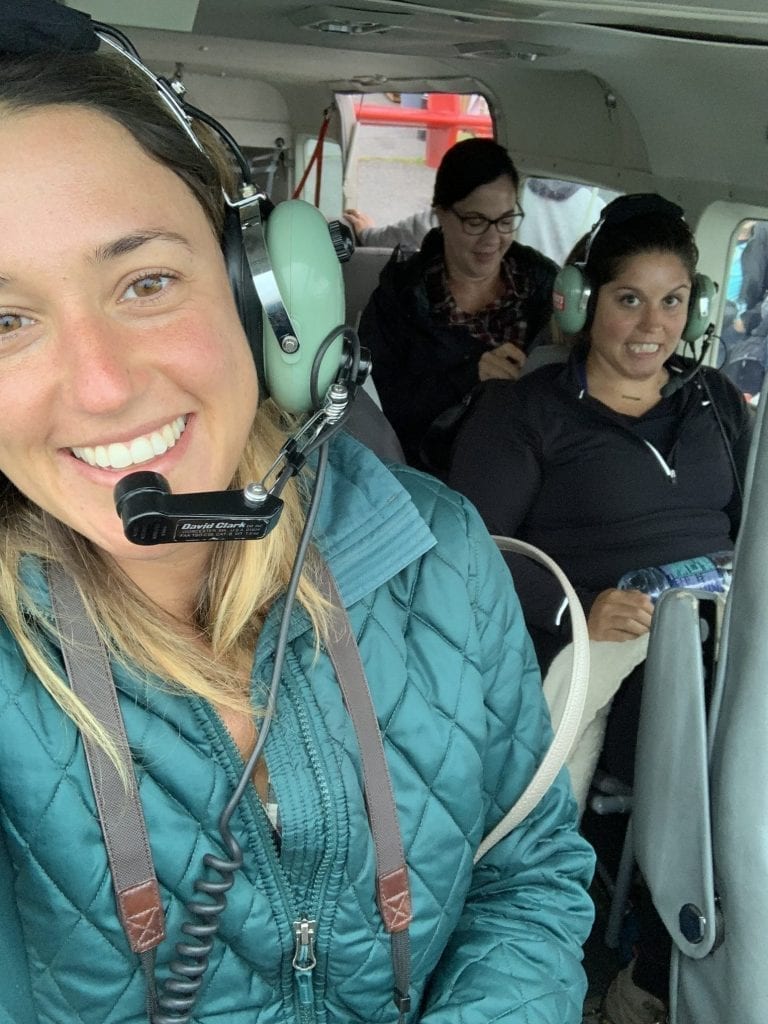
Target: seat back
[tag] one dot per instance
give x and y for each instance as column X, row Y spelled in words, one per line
column 361, row 276
column 732, row 983
column 671, row 799
column 708, row 880
column 369, row 424
column 541, row 355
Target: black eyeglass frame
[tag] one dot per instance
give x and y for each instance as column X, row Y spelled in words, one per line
column 516, row 218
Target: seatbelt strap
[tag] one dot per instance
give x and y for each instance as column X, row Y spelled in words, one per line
column 392, row 885
column 120, row 815
column 568, row 727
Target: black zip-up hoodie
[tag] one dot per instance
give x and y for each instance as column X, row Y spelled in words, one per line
column 600, row 492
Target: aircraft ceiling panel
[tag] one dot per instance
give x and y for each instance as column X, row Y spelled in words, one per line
column 177, row 15
column 428, row 27
column 408, row 22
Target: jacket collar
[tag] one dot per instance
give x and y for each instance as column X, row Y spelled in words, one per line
column 368, row 528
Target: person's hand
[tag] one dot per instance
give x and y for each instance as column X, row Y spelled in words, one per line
column 738, row 325
column 359, row 221
column 620, row 615
column 502, row 363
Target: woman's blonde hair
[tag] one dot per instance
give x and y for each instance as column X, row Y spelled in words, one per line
column 244, row 578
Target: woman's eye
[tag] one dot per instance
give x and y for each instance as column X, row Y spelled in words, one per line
column 147, row 286
column 10, row 322
column 629, row 300
column 672, row 301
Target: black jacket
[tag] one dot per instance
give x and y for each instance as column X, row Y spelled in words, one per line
column 599, row 492
column 421, row 368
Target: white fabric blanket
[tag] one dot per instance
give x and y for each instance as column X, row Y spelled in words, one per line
column 610, row 664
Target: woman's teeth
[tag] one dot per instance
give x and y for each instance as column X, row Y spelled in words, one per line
column 647, row 348
column 141, row 449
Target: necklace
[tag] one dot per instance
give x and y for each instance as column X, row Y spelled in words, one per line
column 581, row 374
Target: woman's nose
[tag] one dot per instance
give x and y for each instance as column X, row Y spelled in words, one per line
column 98, row 363
column 652, row 317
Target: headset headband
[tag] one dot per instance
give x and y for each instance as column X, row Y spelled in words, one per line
column 626, row 208
column 572, row 295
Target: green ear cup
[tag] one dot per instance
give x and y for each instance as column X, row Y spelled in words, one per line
column 570, row 297
column 309, row 278
column 700, row 307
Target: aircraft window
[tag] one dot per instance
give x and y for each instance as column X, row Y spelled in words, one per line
column 558, row 213
column 744, row 330
column 324, row 159
column 396, row 143
column 269, row 169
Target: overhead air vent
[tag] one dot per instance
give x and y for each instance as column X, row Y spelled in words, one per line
column 488, row 49
column 497, row 49
column 347, row 21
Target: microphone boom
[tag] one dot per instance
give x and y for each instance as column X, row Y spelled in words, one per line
column 152, row 515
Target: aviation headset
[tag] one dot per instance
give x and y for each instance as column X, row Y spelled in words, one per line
column 573, row 299
column 282, row 263
column 283, row 267
column 572, row 296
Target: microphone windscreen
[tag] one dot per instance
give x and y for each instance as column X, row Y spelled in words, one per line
column 673, row 385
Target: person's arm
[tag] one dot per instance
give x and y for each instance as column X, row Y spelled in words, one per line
column 754, row 263
column 740, row 445
column 16, row 1004
column 384, row 331
column 496, row 460
column 497, row 463
column 515, row 957
column 736, row 419
column 408, row 232
column 414, row 384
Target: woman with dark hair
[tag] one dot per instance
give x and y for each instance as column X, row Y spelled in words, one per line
column 467, row 306
column 627, row 456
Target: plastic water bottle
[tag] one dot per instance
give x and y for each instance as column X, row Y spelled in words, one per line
column 706, row 572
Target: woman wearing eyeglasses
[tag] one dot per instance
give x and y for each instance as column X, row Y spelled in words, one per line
column 463, row 309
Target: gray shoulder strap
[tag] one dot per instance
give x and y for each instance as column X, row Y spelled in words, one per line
column 392, row 886
column 120, row 814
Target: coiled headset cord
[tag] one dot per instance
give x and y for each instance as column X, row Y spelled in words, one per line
column 179, row 993
column 174, row 1004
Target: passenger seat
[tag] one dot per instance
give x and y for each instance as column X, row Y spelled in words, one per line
column 361, row 276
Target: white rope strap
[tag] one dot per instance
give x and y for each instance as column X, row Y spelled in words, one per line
column 567, row 728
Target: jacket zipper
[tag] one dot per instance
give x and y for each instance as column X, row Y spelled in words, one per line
column 304, row 962
column 670, row 473
column 303, row 926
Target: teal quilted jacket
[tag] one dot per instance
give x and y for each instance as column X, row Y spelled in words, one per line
column 458, row 698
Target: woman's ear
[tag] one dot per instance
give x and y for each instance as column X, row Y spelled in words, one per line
column 441, row 216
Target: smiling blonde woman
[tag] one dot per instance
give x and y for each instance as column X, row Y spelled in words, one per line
column 122, row 349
